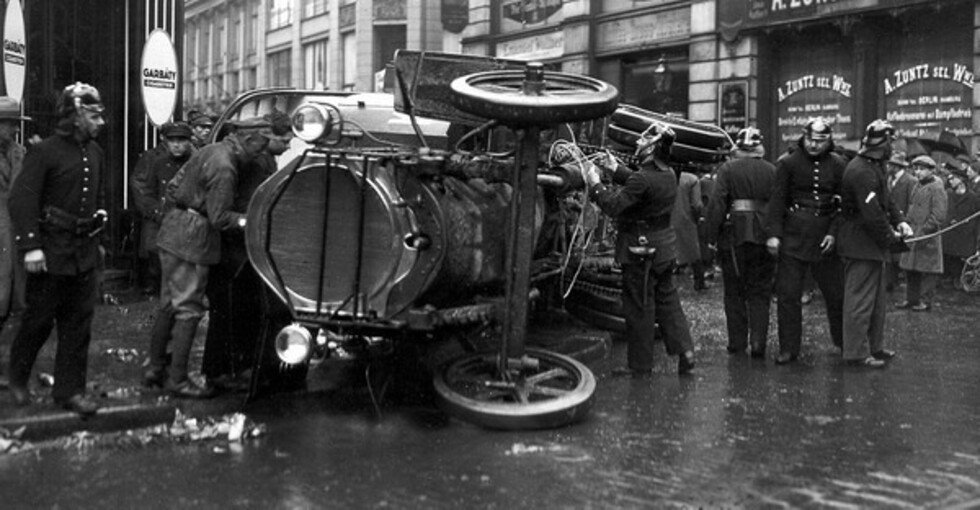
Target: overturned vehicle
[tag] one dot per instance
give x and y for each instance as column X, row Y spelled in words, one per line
column 447, row 213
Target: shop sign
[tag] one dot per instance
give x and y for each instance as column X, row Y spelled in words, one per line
column 734, row 16
column 641, row 30
column 924, row 99
column 733, row 105
column 455, row 15
column 14, row 51
column 517, row 15
column 801, row 98
column 159, row 77
column 539, row 47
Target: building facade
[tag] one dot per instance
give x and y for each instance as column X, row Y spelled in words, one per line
column 769, row 63
column 237, row 45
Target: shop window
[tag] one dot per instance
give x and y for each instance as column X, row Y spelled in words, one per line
column 657, row 82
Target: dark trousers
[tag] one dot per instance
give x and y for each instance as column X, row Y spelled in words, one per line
column 235, row 319
column 70, row 302
column 747, row 271
column 920, row 287
column 864, row 301
column 660, row 305
column 790, row 277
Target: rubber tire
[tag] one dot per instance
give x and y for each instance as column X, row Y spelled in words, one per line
column 499, row 95
column 688, row 132
column 550, row 413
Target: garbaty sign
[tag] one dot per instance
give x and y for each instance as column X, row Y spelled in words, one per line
column 159, row 77
column 733, row 16
column 14, row 50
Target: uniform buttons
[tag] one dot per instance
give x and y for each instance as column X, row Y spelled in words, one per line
column 30, row 235
column 84, row 190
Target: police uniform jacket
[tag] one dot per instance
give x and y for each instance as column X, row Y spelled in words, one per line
column 803, row 207
column 203, row 193
column 149, row 181
column 642, row 208
column 961, row 241
column 926, row 215
column 868, row 212
column 749, row 181
column 60, row 184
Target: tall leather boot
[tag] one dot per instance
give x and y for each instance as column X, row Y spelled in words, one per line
column 156, row 374
column 179, row 384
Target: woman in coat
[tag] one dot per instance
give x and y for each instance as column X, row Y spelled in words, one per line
column 960, row 242
column 923, row 263
column 684, row 219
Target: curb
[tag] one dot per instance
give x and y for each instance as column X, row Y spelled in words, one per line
column 39, row 427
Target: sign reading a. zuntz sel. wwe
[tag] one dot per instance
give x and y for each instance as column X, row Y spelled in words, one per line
column 14, row 50
column 159, row 77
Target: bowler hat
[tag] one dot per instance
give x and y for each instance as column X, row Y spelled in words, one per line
column 898, row 159
column 10, row 109
column 176, row 130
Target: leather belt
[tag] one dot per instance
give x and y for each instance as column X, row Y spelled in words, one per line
column 746, row 205
column 816, row 211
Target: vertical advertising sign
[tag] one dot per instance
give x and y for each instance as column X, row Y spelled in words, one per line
column 14, row 50
column 733, row 106
column 159, row 77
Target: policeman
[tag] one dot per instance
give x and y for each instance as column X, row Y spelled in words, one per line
column 866, row 239
column 646, row 250
column 57, row 215
column 735, row 219
column 802, row 225
column 190, row 243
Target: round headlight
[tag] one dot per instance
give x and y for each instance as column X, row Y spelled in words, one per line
column 311, row 122
column 293, row 344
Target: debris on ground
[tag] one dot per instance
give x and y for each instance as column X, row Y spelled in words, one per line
column 124, row 355
column 11, row 442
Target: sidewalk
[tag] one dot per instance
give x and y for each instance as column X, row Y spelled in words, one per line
column 120, row 337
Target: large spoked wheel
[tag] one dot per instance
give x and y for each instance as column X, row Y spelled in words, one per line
column 534, row 96
column 551, row 390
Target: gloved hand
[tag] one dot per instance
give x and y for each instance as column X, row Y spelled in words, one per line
column 34, row 261
column 772, row 245
column 905, row 230
column 592, row 178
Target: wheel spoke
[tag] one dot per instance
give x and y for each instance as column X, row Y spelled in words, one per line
column 546, row 375
column 548, row 391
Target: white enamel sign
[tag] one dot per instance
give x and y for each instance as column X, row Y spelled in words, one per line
column 14, row 50
column 159, row 77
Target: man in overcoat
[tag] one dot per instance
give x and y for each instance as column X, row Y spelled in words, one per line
column 871, row 227
column 961, row 241
column 12, row 277
column 900, row 184
column 923, row 263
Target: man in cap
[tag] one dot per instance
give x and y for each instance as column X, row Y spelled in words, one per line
column 900, row 185
column 56, row 208
column 201, row 125
column 735, row 219
column 802, row 225
column 646, row 249
column 149, row 181
column 12, row 278
column 961, row 241
column 202, row 193
column 870, row 229
column 235, row 291
column 923, row 263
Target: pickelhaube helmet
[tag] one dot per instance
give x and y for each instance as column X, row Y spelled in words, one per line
column 817, row 129
column 78, row 96
column 658, row 137
column 877, row 133
column 748, row 138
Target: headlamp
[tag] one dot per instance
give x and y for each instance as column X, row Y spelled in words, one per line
column 294, row 344
column 311, row 122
